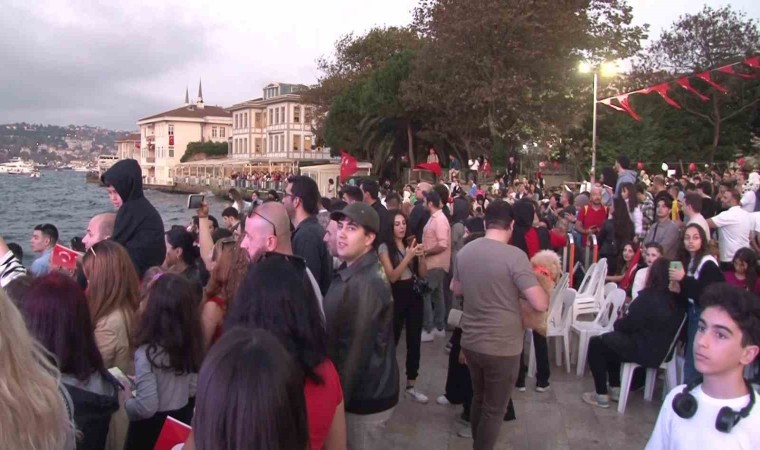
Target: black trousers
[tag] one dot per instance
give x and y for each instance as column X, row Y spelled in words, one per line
column 543, row 371
column 605, row 365
column 408, row 311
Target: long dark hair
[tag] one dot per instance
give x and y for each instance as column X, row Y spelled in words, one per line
column 171, row 323
column 633, row 197
column 461, row 210
column 178, row 237
column 390, row 240
column 658, row 276
column 250, row 395
column 270, row 299
column 749, row 257
column 621, row 219
column 56, row 313
column 703, row 250
column 523, row 211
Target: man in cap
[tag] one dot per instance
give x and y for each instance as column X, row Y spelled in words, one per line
column 359, row 322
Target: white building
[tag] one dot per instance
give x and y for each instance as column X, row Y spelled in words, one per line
column 164, row 137
column 277, row 126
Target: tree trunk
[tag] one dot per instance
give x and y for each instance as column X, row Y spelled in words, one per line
column 716, row 129
column 410, row 140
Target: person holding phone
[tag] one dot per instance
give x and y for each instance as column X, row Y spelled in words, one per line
column 398, row 261
column 696, row 270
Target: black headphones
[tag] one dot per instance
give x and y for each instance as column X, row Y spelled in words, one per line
column 685, row 405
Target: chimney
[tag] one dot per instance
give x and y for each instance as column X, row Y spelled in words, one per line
column 199, row 102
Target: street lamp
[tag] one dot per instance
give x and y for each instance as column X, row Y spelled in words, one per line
column 605, row 69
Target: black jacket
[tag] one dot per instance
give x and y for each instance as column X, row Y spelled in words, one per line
column 92, row 414
column 644, row 335
column 417, row 220
column 386, row 222
column 308, row 243
column 359, row 322
column 691, row 287
column 138, row 225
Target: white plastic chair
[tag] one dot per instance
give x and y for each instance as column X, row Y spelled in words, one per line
column 609, row 287
column 554, row 315
column 671, row 374
column 591, row 294
column 602, row 323
column 559, row 327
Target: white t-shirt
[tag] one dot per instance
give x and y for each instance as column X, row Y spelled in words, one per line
column 673, row 432
column 748, row 200
column 756, row 221
column 734, row 226
column 639, row 281
column 700, row 220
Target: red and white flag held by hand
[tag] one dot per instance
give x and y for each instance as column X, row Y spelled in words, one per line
column 173, row 435
column 348, row 165
column 64, row 257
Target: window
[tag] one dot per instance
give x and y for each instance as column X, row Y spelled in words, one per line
column 307, row 115
column 297, row 114
column 277, row 116
column 271, row 147
column 171, row 152
column 235, row 116
column 257, row 120
column 296, row 142
column 307, row 143
column 245, row 146
column 245, row 120
column 257, row 145
column 271, row 117
column 213, row 132
column 282, row 114
column 222, row 131
column 171, row 129
column 282, row 143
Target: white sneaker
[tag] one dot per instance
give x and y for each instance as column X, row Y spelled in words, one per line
column 439, row 333
column 416, row 395
column 465, row 433
column 427, row 337
column 442, row 400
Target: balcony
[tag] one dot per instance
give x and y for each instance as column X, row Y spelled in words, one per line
column 150, row 160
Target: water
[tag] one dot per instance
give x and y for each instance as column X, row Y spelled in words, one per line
column 65, row 200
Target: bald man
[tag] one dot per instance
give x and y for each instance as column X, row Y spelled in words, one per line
column 99, row 229
column 267, row 231
column 420, row 214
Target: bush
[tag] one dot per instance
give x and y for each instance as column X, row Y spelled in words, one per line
column 207, row 148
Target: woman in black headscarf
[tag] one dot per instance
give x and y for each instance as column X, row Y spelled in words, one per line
column 138, row 225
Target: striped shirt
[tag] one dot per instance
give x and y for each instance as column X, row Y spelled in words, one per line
column 10, row 268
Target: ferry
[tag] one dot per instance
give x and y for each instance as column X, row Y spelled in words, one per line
column 17, row 166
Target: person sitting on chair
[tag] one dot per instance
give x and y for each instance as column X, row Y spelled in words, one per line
column 643, row 336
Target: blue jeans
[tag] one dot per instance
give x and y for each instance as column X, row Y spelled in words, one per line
column 435, row 303
column 692, row 321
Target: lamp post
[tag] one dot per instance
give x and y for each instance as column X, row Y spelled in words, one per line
column 605, row 69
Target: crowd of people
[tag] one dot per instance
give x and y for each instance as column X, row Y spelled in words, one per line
column 277, row 327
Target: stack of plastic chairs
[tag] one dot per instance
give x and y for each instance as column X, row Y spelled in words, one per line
column 591, row 292
column 560, row 305
column 602, row 323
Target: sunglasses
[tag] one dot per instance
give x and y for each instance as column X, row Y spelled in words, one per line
column 274, row 228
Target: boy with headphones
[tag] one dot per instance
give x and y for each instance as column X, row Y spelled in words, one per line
column 717, row 411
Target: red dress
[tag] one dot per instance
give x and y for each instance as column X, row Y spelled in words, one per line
column 321, row 402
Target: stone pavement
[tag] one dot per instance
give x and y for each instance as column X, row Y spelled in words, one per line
column 557, row 419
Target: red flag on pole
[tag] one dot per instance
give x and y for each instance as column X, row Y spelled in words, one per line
column 173, row 434
column 608, row 102
column 348, row 165
column 753, row 62
column 63, row 257
column 626, row 105
column 707, row 78
column 432, row 167
column 662, row 89
column 686, row 84
column 731, row 71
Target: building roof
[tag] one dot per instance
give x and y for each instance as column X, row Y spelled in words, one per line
column 261, row 103
column 192, row 112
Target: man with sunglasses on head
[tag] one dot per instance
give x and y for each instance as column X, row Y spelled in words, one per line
column 267, row 233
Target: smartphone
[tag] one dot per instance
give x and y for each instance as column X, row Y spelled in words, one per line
column 194, row 201
column 676, row 265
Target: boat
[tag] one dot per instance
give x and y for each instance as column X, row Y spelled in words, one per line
column 17, row 166
column 35, row 174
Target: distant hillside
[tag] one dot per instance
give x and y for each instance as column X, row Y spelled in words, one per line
column 50, row 143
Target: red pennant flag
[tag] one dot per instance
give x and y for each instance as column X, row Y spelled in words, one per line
column 348, row 165
column 662, row 89
column 686, row 84
column 626, row 105
column 172, row 434
column 753, row 62
column 731, row 71
column 432, row 167
column 64, row 257
column 707, row 78
column 608, row 102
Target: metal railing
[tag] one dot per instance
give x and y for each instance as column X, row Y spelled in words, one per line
column 592, row 249
column 229, row 183
column 568, row 258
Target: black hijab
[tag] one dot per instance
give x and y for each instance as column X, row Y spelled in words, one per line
column 138, row 225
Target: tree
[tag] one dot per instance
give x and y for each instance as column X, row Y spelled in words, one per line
column 510, row 65
column 206, row 148
column 700, row 42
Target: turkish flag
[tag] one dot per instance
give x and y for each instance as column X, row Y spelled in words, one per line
column 432, row 167
column 348, row 165
column 173, row 435
column 64, row 257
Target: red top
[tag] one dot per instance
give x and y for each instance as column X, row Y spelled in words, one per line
column 558, row 240
column 589, row 217
column 531, row 240
column 731, row 279
column 321, row 401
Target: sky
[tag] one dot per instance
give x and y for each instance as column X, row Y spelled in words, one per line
column 109, row 63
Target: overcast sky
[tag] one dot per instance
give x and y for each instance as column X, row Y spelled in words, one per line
column 109, row 63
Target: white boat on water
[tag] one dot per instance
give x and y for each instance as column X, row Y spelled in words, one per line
column 35, row 174
column 16, row 166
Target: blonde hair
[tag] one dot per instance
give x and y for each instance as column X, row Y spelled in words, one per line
column 34, row 414
column 112, row 281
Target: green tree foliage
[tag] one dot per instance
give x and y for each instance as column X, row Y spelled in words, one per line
column 207, row 148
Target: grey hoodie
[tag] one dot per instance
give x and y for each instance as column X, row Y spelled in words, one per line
column 628, row 176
